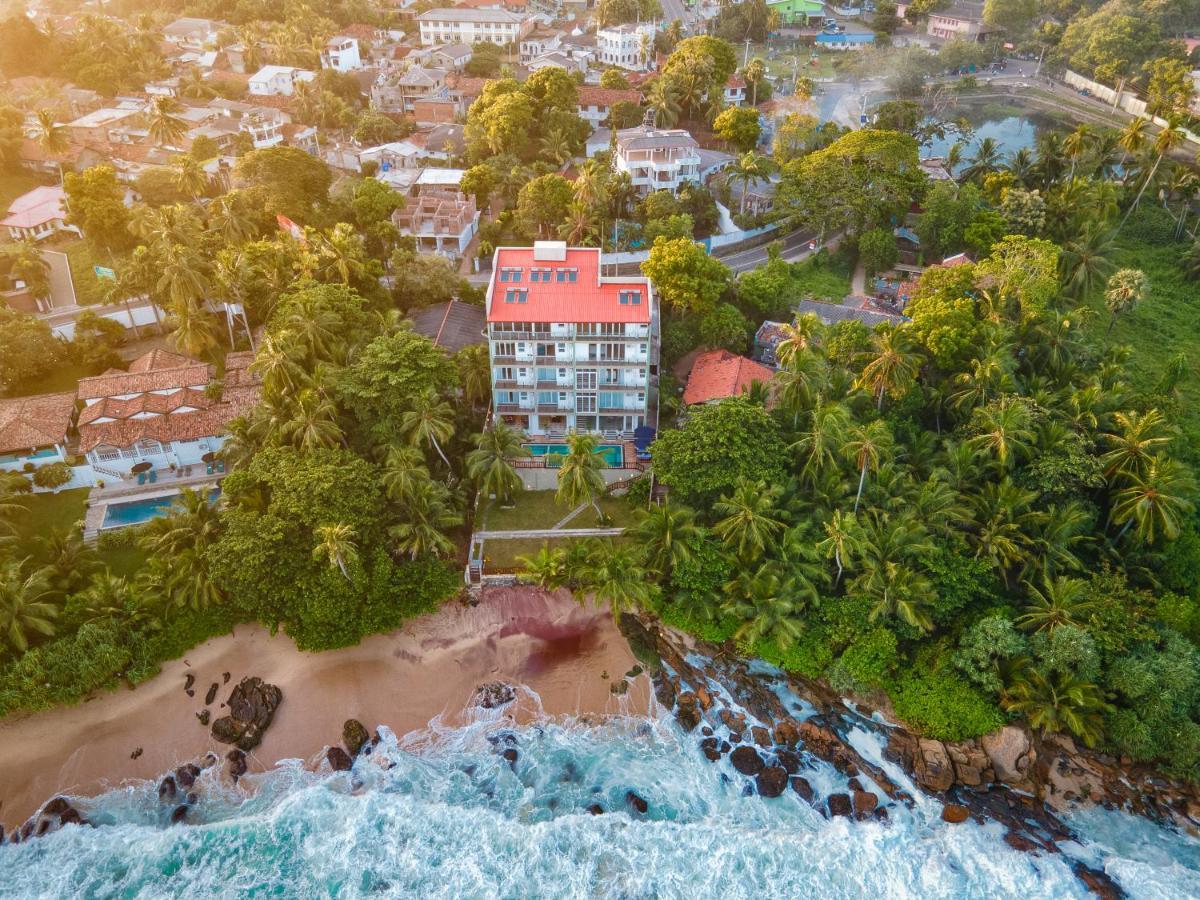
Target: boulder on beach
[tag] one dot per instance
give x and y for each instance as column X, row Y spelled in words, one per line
column 252, row 706
column 932, row 767
column 493, row 695
column 179, row 814
column 801, row 786
column 864, row 804
column 237, row 763
column 839, row 804
column 354, row 736
column 955, row 813
column 166, row 788
column 186, row 775
column 212, row 694
column 746, row 760
column 1005, row 750
column 639, row 804
column 771, row 781
column 339, row 760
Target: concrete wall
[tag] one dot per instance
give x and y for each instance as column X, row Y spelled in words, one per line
column 1127, row 101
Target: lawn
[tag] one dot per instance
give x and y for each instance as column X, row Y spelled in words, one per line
column 13, row 185
column 538, row 509
column 829, row 280
column 88, row 289
column 61, row 378
column 55, row 512
column 500, row 555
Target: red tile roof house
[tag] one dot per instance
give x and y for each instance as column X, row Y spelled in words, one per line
column 570, row 347
column 160, row 412
column 33, row 430
column 37, row 215
column 718, row 375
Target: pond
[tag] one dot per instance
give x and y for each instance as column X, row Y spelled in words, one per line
column 1010, row 132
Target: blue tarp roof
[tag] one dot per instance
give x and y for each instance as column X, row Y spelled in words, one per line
column 845, row 38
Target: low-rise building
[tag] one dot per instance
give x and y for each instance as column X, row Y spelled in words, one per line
column 735, row 90
column 658, row 159
column 962, row 20
column 341, row 54
column 538, row 41
column 33, row 430
column 460, row 25
column 451, row 58
column 195, row 34
column 437, row 214
column 844, row 41
column 396, row 91
column 796, row 12
column 627, row 46
column 569, row 347
column 595, row 103
column 452, row 325
column 718, row 375
column 277, row 81
column 38, row 214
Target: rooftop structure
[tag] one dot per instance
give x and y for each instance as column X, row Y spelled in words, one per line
column 453, row 325
column 719, row 374
column 34, row 429
column 461, row 25
column 38, row 214
column 657, row 158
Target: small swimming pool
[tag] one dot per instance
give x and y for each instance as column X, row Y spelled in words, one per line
column 135, row 512
column 613, row 454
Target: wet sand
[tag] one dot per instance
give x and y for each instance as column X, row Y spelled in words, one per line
column 431, row 667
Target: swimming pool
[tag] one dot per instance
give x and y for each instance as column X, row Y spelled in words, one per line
column 135, row 512
column 613, row 454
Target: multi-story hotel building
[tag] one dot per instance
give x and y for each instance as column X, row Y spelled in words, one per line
column 570, row 348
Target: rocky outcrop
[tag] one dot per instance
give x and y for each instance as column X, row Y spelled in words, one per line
column 771, row 781
column 932, row 766
column 354, row 736
column 252, row 707
column 1009, row 752
column 339, row 760
column 493, row 695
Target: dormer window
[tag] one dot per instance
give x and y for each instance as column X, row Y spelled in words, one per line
column 510, row 274
column 516, row 295
column 631, row 298
column 566, row 275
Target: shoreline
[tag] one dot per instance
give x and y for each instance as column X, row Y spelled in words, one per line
column 569, row 654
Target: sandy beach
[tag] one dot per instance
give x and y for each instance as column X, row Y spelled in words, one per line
column 569, row 654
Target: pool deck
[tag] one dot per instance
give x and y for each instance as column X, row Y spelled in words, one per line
column 628, row 453
column 130, row 491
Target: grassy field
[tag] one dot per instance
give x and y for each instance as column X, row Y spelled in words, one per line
column 505, row 554
column 538, row 509
column 830, row 281
column 88, row 289
column 57, row 512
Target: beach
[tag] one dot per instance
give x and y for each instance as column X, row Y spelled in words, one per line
column 570, row 655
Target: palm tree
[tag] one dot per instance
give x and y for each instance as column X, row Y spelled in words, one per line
column 69, row 560
column 1086, row 261
column 343, row 254
column 232, row 218
column 1125, row 290
column 1021, row 165
column 430, row 422
column 579, row 228
column 954, row 156
column 165, row 126
column 613, row 574
column 1003, row 430
column 1003, row 520
column 754, row 73
column 194, row 333
column 750, row 523
column 1133, row 139
column 26, row 604
column 891, row 365
column 580, row 479
column 314, row 422
column 1167, row 140
column 1060, row 601
column 801, row 334
column 985, row 161
column 769, row 605
column 667, row 535
column 840, row 533
column 1059, row 702
column 426, row 514
column 748, row 168
column 547, row 568
column 800, row 384
column 1075, row 145
column 665, row 99
column 183, row 277
column 475, row 374
column 190, row 177
column 899, row 592
column 336, row 544
column 53, row 138
column 866, row 447
column 1138, row 438
column 1154, row 500
column 822, row 443
column 404, row 472
column 489, row 464
column 556, row 146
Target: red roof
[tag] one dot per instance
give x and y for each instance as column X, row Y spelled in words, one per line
column 589, row 298
column 601, row 97
column 719, row 374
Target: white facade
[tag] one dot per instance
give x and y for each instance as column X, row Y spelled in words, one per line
column 471, row 26
column 627, row 46
column 341, row 54
column 658, row 159
column 277, row 81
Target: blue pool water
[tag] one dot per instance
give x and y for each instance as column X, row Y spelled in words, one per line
column 135, row 512
column 613, row 454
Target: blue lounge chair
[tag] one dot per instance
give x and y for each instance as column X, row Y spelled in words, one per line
column 153, row 476
column 209, row 469
column 141, row 477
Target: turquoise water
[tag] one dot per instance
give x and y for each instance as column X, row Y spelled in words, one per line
column 135, row 512
column 438, row 813
column 613, row 454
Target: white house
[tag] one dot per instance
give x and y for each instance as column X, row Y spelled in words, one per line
column 595, row 103
column 341, row 54
column 658, row 159
column 37, row 215
column 277, row 81
column 463, row 25
column 437, row 214
column 192, row 33
column 628, row 46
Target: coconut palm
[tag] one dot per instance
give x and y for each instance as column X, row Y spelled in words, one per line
column 666, row 100
column 1058, row 702
column 404, row 471
column 867, row 446
column 1133, row 139
column 425, row 517
column 1086, row 261
column 1003, row 430
column 1021, row 165
column 429, row 422
column 184, row 276
column 193, row 85
column 801, row 334
column 556, row 146
column 69, row 560
column 1135, row 442
column 1059, row 601
column 52, row 138
column 489, row 464
column 547, row 568
column 314, row 422
column 840, row 534
column 754, row 73
column 891, row 365
column 1165, row 141
column 1003, row 520
column 190, row 177
column 985, row 161
column 281, row 373
column 1125, row 289
column 1154, row 501
column 194, row 333
column 580, row 478
column 798, row 386
column 898, row 592
column 475, row 374
column 336, row 545
column 342, row 253
column 163, row 122
column 26, row 604
column 667, row 535
column 769, row 605
column 579, row 228
column 233, row 219
column 110, row 596
column 1076, row 145
column 748, row 168
column 612, row 573
column 750, row 522
column 821, row 444
column 954, row 156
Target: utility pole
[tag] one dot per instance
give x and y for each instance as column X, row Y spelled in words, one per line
column 1117, row 96
column 746, row 54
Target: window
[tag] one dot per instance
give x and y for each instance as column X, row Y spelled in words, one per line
column 510, row 274
column 610, row 400
column 546, row 398
column 545, row 349
column 567, row 275
column 506, row 374
column 506, row 348
column 585, row 403
column 539, row 275
column 610, row 376
column 545, row 374
column 104, row 452
column 516, row 295
column 631, row 298
column 585, row 380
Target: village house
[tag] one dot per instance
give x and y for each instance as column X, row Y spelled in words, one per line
column 542, row 39
column 277, row 81
column 33, row 430
column 399, row 91
column 658, row 159
column 718, row 375
column 194, row 34
column 595, row 103
column 570, row 348
column 451, row 58
column 37, row 215
column 962, row 20
column 627, row 46
column 341, row 54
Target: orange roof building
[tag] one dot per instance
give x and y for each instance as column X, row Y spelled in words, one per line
column 571, row 347
column 34, row 429
column 718, row 375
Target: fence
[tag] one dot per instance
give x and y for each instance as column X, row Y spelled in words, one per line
column 1125, row 100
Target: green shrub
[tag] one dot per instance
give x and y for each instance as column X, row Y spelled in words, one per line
column 54, row 475
column 943, row 706
column 809, row 656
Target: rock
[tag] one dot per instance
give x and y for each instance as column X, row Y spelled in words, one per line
column 493, row 695
column 789, row 759
column 932, row 767
column 703, row 697
column 1, row 835
column 252, row 706
column 237, row 763
column 354, row 736
column 706, row 731
column 188, row 681
column 864, row 803
column 1018, row 842
column 735, row 722
column 179, row 814
column 1099, row 883
column 136, row 753
column 746, row 760
column 339, row 760
column 1005, row 749
column 212, row 693
column 203, row 716
column 786, row 733
column 595, row 809
column 56, row 807
column 166, row 788
column 210, row 760
column 771, row 781
column 637, row 802
column 854, row 785
column 43, row 827
column 664, row 691
column 801, row 786
column 839, row 804
column 511, row 755
column 955, row 814
column 687, row 711
column 760, row 736
column 192, row 798
column 185, row 776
